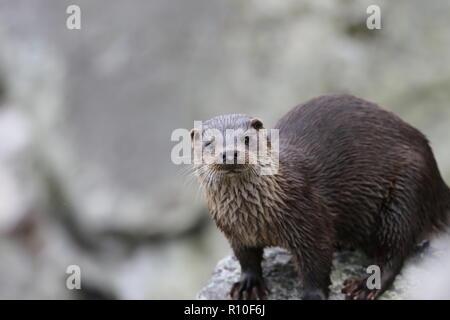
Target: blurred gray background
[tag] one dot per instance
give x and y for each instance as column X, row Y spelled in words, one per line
column 86, row 117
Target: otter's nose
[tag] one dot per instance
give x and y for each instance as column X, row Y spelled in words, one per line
column 229, row 155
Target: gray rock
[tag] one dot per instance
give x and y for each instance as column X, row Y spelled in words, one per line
column 281, row 276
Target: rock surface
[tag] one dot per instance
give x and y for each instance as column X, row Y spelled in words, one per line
column 281, row 276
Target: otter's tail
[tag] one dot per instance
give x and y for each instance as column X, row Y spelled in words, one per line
column 448, row 203
column 447, row 207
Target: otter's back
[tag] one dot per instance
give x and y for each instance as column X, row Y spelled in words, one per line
column 330, row 119
column 355, row 153
column 342, row 131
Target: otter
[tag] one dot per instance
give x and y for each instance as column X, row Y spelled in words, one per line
column 349, row 173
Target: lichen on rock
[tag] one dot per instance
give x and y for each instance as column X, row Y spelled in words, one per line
column 281, row 276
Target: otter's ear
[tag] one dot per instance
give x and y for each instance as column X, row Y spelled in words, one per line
column 256, row 123
column 194, row 133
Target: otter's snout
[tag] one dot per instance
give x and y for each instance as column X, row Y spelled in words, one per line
column 229, row 157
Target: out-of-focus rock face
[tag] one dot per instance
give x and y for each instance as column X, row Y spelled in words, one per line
column 86, row 118
column 281, row 276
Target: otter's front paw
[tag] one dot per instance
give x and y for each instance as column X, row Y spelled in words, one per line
column 356, row 289
column 250, row 287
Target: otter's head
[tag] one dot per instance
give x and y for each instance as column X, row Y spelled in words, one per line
column 228, row 147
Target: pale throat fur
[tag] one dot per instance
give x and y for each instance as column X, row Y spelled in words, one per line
column 249, row 208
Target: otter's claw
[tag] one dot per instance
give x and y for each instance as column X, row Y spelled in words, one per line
column 249, row 288
column 356, row 289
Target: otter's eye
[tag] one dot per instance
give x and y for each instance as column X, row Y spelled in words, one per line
column 247, row 140
column 208, row 143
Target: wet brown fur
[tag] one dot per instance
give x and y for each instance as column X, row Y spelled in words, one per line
column 350, row 173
